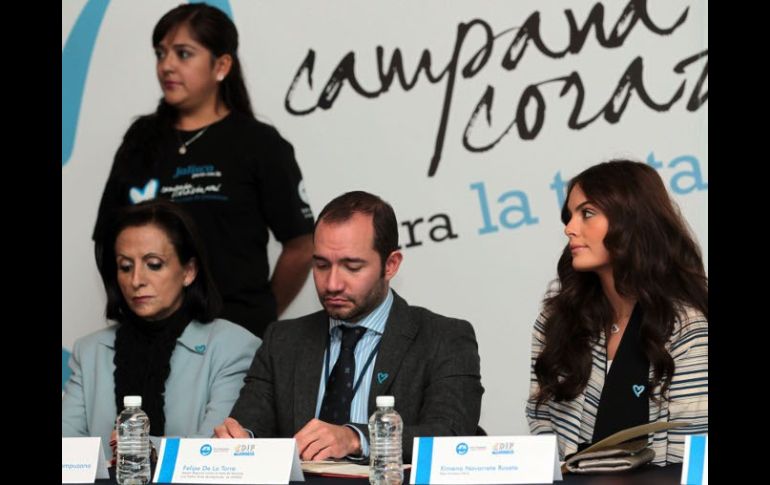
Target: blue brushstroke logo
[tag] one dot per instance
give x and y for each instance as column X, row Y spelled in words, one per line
column 75, row 59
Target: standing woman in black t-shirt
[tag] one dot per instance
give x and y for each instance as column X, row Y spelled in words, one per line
column 236, row 176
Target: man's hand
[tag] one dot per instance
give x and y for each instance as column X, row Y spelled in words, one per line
column 114, row 447
column 230, row 429
column 319, row 440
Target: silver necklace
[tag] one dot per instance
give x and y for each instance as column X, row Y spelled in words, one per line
column 615, row 328
column 184, row 144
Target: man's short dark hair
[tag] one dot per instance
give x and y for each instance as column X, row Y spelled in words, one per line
column 384, row 221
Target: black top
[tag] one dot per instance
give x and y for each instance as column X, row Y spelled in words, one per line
column 625, row 400
column 237, row 179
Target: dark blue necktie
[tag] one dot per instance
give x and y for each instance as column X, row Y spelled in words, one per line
column 335, row 407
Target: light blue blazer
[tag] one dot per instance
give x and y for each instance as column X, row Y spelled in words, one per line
column 207, row 370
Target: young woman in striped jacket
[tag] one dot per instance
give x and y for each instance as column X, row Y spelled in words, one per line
column 622, row 338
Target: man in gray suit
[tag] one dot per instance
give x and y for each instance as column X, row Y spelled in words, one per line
column 428, row 362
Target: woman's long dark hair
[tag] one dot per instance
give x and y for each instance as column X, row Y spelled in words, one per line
column 655, row 260
column 213, row 29
column 201, row 298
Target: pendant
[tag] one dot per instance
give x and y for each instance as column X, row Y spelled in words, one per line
column 614, row 328
column 182, row 150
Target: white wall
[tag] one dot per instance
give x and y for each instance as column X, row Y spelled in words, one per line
column 384, row 144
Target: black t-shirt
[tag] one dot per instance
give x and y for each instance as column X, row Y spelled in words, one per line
column 236, row 179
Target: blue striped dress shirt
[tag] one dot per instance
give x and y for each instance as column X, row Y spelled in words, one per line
column 375, row 324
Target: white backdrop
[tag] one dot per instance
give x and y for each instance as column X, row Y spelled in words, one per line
column 489, row 234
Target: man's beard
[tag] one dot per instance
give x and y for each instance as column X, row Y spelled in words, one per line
column 371, row 301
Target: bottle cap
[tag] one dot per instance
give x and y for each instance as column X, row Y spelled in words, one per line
column 132, row 401
column 386, row 401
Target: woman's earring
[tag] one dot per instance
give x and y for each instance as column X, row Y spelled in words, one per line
column 220, row 77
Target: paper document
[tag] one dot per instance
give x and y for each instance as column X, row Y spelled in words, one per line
column 338, row 468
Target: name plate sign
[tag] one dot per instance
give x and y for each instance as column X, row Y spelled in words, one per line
column 695, row 467
column 82, row 460
column 212, row 460
column 485, row 459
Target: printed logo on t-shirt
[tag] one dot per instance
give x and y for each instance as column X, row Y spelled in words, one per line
column 193, row 182
column 149, row 192
column 193, row 192
column 302, row 192
column 197, row 171
column 306, row 211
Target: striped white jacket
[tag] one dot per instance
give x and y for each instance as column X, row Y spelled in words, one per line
column 573, row 421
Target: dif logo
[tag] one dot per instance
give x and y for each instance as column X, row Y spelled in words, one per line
column 206, row 450
column 462, row 448
column 503, row 448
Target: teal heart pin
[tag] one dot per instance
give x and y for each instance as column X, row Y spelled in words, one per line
column 200, row 348
column 382, row 377
column 638, row 389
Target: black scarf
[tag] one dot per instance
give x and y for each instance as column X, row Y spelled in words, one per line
column 625, row 400
column 143, row 362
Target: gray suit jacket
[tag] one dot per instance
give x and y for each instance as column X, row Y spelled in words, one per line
column 432, row 363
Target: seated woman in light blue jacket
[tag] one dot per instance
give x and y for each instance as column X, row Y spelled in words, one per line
column 167, row 346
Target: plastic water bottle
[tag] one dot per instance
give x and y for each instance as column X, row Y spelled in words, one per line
column 385, row 433
column 133, row 464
